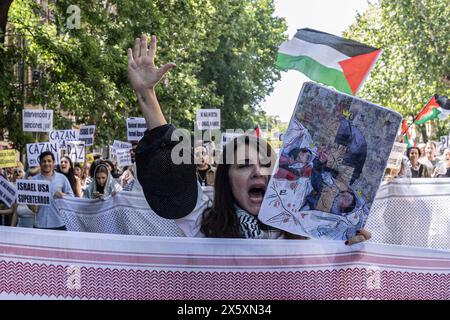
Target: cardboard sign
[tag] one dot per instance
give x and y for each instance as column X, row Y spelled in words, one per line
column 63, row 136
column 123, row 157
column 445, row 141
column 136, row 128
column 37, row 120
column 8, row 158
column 8, row 192
column 33, row 192
column 87, row 135
column 396, row 156
column 35, row 149
column 76, row 151
column 120, row 145
column 331, row 164
column 208, row 119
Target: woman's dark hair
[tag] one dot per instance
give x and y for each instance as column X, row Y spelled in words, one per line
column 221, row 221
column 93, row 166
column 114, row 172
column 408, row 151
column 70, row 175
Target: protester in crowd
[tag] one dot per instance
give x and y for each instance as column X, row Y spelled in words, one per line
column 430, row 159
column 422, row 147
column 66, row 168
column 112, row 168
column 443, row 168
column 128, row 179
column 78, row 170
column 23, row 216
column 103, row 184
column 205, row 172
column 85, row 179
column 418, row 170
column 47, row 217
column 173, row 191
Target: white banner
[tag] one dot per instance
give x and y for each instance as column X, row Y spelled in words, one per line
column 63, row 136
column 76, row 151
column 123, row 157
column 33, row 192
column 208, row 119
column 35, row 149
column 136, row 128
column 37, row 120
column 8, row 192
column 87, row 135
column 120, row 145
column 396, row 156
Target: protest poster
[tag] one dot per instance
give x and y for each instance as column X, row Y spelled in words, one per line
column 37, row 120
column 33, row 192
column 208, row 119
column 76, row 151
column 35, row 149
column 136, row 128
column 123, row 157
column 444, row 141
column 8, row 158
column 63, row 136
column 396, row 156
column 331, row 164
column 8, row 192
column 120, row 145
column 86, row 134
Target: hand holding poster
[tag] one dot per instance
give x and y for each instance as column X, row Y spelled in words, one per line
column 8, row 192
column 123, row 157
column 33, row 192
column 37, row 120
column 136, row 128
column 87, row 135
column 331, row 164
column 208, row 119
column 8, row 158
column 35, row 149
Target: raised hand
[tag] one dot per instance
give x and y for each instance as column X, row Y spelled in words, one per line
column 142, row 72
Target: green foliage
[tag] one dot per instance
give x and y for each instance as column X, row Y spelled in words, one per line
column 224, row 51
column 415, row 63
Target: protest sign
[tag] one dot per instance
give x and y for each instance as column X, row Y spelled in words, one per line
column 120, row 145
column 37, row 120
column 136, row 128
column 396, row 156
column 87, row 135
column 63, row 136
column 76, row 151
column 123, row 157
column 8, row 192
column 445, row 140
column 331, row 164
column 228, row 136
column 8, row 158
column 33, row 192
column 208, row 119
column 35, row 149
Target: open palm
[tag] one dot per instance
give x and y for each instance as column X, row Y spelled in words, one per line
column 142, row 72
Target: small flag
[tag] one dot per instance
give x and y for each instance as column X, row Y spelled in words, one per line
column 341, row 63
column 257, row 131
column 406, row 136
column 437, row 108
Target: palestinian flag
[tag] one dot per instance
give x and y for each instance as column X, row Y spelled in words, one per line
column 341, row 63
column 437, row 108
column 406, row 135
column 257, row 131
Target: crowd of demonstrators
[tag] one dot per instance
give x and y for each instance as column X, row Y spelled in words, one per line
column 173, row 191
column 66, row 167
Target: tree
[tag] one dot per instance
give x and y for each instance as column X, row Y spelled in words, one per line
column 224, row 51
column 415, row 63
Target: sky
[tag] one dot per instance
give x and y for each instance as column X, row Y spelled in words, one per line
column 332, row 16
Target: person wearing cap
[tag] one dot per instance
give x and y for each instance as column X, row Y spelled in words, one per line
column 172, row 190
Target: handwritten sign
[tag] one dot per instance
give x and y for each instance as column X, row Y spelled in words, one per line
column 8, row 158
column 37, row 120
column 123, row 157
column 33, row 192
column 120, row 145
column 35, row 149
column 87, row 135
column 76, row 151
column 396, row 156
column 8, row 193
column 208, row 119
column 136, row 128
column 63, row 136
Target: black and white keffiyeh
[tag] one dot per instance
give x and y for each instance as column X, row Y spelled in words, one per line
column 251, row 228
